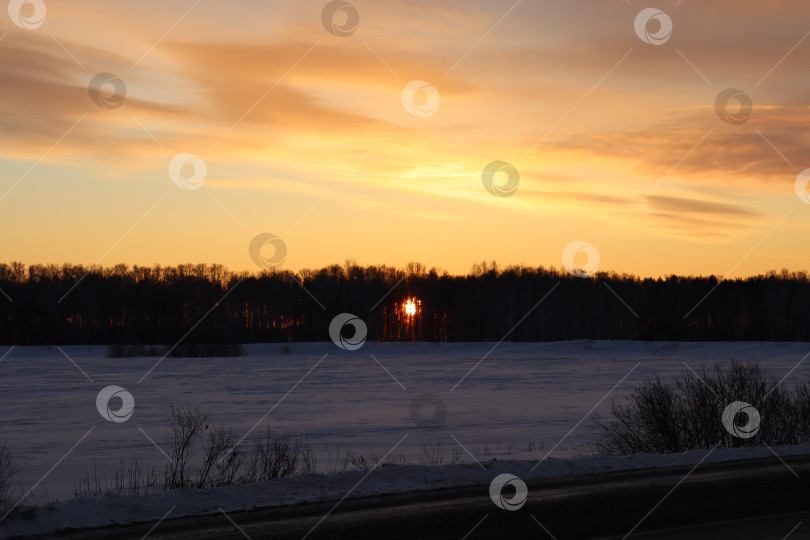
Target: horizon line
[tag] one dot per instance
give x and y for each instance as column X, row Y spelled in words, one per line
column 475, row 269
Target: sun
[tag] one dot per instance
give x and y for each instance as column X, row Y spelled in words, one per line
column 410, row 307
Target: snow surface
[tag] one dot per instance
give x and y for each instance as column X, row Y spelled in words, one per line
column 522, row 401
column 97, row 511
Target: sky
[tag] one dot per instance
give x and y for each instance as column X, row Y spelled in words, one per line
column 584, row 134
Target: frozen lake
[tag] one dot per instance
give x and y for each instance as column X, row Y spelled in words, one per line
column 520, row 402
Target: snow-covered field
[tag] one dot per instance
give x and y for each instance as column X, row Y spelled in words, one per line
column 520, row 395
column 522, row 401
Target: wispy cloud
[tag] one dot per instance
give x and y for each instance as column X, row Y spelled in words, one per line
column 306, row 109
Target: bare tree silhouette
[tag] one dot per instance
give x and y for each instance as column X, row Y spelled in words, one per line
column 158, row 305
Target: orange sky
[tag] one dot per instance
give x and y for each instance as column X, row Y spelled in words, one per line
column 307, row 135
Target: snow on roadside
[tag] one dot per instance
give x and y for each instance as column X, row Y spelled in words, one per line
column 98, row 511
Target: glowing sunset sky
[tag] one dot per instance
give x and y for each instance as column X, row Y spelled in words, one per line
column 304, row 133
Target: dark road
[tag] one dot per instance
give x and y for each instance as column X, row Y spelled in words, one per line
column 789, row 526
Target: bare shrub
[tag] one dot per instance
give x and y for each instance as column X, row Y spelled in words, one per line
column 8, row 469
column 131, row 478
column 203, row 456
column 362, row 462
column 532, row 446
column 432, row 454
column 659, row 417
column 278, row 455
column 222, row 459
column 308, row 462
column 456, row 456
column 185, row 427
column 334, row 464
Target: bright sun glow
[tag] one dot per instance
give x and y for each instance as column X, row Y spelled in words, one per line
column 410, row 306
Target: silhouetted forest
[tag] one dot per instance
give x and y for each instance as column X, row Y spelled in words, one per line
column 69, row 304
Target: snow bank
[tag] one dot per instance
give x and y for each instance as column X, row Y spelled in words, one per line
column 98, row 511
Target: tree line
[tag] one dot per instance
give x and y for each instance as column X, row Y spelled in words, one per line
column 74, row 304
